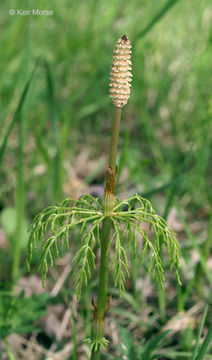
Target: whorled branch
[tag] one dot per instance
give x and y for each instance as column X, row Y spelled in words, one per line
column 54, row 225
column 128, row 222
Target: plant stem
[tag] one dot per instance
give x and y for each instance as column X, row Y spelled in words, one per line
column 115, row 137
column 103, row 273
column 95, row 355
column 206, row 254
column 9, row 351
column 19, row 206
column 103, row 280
column 102, row 302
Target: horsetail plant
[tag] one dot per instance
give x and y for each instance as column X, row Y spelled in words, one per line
column 105, row 223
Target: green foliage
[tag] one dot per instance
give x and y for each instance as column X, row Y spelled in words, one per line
column 16, row 117
column 141, row 351
column 133, row 218
column 17, row 315
column 8, row 219
column 54, row 225
column 60, row 221
column 205, row 345
column 202, row 323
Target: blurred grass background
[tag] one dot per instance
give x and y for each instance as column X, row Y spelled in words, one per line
column 55, row 129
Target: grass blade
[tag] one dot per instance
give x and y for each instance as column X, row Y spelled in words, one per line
column 17, row 112
column 19, row 193
column 199, row 333
column 155, row 19
column 181, row 355
column 205, row 345
column 152, row 344
column 57, row 168
column 161, row 188
column 20, row 203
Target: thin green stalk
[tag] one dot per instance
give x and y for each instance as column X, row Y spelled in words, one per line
column 206, row 253
column 103, row 273
column 57, row 168
column 17, row 118
column 17, row 112
column 102, row 305
column 9, row 351
column 74, row 332
column 20, row 202
column 195, row 350
column 115, row 137
column 206, row 343
column 103, row 280
column 182, row 354
column 207, row 243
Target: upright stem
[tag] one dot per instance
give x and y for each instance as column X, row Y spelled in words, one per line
column 103, row 273
column 19, row 206
column 9, row 351
column 95, row 355
column 108, row 203
column 115, row 137
column 103, row 287
column 206, row 254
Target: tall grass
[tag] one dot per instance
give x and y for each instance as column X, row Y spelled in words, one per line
column 19, row 196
